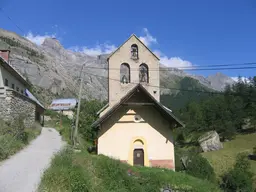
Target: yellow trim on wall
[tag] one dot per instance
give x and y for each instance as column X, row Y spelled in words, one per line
column 145, row 147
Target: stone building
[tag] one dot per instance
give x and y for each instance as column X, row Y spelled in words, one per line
column 15, row 98
column 134, row 126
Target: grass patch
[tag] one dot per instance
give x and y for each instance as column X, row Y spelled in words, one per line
column 63, row 175
column 96, row 173
column 12, row 141
column 224, row 159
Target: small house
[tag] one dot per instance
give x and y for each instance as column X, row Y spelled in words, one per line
column 15, row 98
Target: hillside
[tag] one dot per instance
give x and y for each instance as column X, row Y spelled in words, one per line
column 54, row 71
column 192, row 90
column 224, row 159
column 83, row 172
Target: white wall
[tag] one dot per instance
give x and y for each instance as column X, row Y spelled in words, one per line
column 117, row 133
column 11, row 80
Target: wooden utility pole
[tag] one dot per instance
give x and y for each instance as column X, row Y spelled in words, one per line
column 78, row 108
column 79, row 104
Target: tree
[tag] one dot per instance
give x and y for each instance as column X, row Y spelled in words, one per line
column 87, row 117
column 225, row 113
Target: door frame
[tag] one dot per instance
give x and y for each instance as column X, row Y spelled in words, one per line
column 143, row 156
column 145, row 149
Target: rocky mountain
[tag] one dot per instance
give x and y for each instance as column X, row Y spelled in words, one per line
column 55, row 71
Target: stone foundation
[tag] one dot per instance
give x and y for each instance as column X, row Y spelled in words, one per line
column 168, row 164
column 15, row 104
column 124, row 161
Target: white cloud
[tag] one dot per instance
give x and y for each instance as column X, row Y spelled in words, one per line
column 38, row 39
column 175, row 62
column 147, row 39
column 99, row 49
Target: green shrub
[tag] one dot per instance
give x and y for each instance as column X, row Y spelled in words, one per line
column 178, row 155
column 3, row 149
column 242, row 162
column 240, row 177
column 236, row 180
column 23, row 137
column 199, row 167
column 254, row 150
column 51, row 113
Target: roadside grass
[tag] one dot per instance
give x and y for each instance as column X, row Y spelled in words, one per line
column 12, row 141
column 79, row 172
column 224, row 159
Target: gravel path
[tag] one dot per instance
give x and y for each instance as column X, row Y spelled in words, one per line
column 22, row 172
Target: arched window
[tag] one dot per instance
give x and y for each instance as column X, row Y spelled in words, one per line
column 134, row 51
column 125, row 73
column 143, row 76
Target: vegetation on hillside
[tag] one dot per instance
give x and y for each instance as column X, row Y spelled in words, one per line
column 229, row 113
column 223, row 160
column 240, row 177
column 233, row 115
column 14, row 136
column 15, row 43
column 185, row 91
column 84, row 172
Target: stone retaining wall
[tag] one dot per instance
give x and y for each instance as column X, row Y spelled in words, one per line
column 15, row 104
column 167, row 164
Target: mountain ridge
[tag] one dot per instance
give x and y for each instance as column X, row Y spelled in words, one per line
column 52, row 68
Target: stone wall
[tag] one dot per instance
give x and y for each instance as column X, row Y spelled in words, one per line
column 15, row 104
column 167, row 164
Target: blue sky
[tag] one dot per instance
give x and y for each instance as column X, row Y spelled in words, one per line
column 183, row 33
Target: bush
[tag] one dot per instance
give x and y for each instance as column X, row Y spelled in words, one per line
column 240, row 177
column 178, row 164
column 199, row 167
column 14, row 136
column 254, row 150
column 64, row 175
column 23, row 137
column 237, row 180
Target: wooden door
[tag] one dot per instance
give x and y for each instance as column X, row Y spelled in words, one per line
column 138, row 157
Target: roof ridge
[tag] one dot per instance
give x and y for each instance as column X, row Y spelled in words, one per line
column 132, row 35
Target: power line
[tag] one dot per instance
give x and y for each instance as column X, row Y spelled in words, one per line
column 170, row 68
column 170, row 88
column 1, row 9
column 177, row 89
column 175, row 69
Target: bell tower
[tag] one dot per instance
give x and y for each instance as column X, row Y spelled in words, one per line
column 132, row 63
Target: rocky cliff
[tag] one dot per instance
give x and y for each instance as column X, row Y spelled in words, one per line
column 55, row 71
